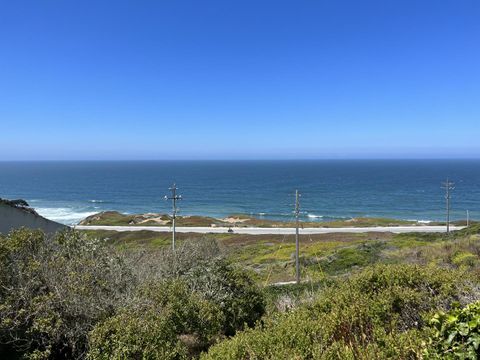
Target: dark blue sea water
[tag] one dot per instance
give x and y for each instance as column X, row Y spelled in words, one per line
column 404, row 189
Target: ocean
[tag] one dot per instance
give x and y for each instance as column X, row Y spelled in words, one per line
column 330, row 189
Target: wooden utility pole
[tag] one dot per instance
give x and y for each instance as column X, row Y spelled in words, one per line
column 297, row 243
column 448, row 186
column 174, row 199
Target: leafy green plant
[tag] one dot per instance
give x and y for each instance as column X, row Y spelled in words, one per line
column 456, row 334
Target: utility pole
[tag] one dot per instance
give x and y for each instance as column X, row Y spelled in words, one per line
column 297, row 243
column 468, row 218
column 174, row 199
column 448, row 186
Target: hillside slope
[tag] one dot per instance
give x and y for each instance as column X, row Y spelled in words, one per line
column 16, row 214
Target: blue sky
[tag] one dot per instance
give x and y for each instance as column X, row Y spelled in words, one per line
column 83, row 79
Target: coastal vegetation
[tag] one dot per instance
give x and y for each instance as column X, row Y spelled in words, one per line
column 71, row 296
column 114, row 295
column 381, row 312
column 114, row 218
column 270, row 258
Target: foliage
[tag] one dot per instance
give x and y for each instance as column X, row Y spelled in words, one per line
column 473, row 229
column 240, row 300
column 153, row 303
column 205, row 298
column 456, row 334
column 53, row 291
column 166, row 321
column 346, row 258
column 206, row 272
column 287, row 297
column 373, row 314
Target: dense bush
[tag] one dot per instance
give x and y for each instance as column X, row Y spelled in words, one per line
column 166, row 321
column 374, row 314
column 174, row 320
column 207, row 273
column 456, row 334
column 240, row 300
column 54, row 290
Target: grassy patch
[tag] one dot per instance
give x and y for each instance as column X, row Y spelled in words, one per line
column 345, row 259
column 271, row 257
column 415, row 239
column 286, row 297
column 143, row 239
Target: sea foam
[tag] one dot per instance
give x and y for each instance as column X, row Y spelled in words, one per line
column 64, row 215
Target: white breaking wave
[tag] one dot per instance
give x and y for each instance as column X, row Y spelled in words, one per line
column 424, row 221
column 96, row 201
column 64, row 215
column 313, row 216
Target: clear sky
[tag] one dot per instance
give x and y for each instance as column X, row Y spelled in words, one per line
column 98, row 79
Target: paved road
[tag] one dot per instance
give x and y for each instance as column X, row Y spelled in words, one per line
column 281, row 231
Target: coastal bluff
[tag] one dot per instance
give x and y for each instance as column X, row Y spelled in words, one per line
column 16, row 214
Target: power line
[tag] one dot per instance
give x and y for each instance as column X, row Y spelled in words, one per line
column 174, row 199
column 448, row 186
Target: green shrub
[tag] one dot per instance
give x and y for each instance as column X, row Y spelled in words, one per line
column 465, row 259
column 201, row 265
column 456, row 334
column 200, row 299
column 374, row 314
column 54, row 290
column 166, row 322
column 239, row 298
column 344, row 259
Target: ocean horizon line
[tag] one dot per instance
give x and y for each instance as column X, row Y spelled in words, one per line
column 244, row 160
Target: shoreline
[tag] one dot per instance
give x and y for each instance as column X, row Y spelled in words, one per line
column 238, row 221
